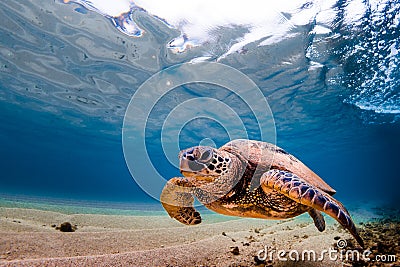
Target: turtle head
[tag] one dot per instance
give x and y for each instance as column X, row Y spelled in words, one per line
column 204, row 163
column 214, row 171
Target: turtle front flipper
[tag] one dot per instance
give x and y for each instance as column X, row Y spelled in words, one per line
column 300, row 191
column 176, row 198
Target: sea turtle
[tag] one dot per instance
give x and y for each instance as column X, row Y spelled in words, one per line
column 254, row 179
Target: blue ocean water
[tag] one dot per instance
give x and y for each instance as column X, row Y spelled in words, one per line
column 329, row 72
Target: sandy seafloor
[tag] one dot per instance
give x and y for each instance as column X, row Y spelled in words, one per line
column 139, row 238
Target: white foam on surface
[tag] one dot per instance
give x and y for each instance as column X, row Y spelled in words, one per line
column 266, row 21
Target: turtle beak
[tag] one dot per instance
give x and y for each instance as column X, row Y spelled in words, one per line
column 190, row 168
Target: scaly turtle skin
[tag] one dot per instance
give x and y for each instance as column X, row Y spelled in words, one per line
column 254, row 179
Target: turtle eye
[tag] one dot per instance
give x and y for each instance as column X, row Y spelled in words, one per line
column 206, row 156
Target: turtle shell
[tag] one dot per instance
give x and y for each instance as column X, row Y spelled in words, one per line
column 263, row 156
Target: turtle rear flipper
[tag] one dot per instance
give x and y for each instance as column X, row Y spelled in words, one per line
column 177, row 200
column 300, row 191
column 318, row 219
